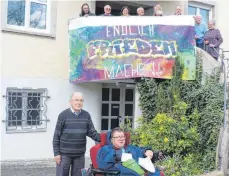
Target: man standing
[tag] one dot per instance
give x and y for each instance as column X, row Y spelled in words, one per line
column 69, row 140
column 200, row 30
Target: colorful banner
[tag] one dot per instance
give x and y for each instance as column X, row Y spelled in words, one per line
column 105, row 48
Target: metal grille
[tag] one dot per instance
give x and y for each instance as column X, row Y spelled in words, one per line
column 26, row 109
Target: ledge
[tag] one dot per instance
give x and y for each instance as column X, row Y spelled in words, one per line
column 30, row 33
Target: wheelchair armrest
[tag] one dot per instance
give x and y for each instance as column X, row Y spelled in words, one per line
column 99, row 171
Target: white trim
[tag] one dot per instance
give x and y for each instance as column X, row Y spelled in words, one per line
column 27, row 15
column 26, row 29
column 200, row 5
column 76, row 23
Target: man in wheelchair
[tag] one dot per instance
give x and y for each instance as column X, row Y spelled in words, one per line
column 109, row 157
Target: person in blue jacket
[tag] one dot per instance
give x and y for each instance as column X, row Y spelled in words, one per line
column 109, row 156
column 200, row 30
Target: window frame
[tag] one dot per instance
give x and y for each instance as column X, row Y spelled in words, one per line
column 51, row 13
column 24, row 127
column 122, row 102
column 199, row 6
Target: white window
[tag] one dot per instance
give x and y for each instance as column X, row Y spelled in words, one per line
column 29, row 16
column 26, row 110
column 202, row 9
column 116, row 103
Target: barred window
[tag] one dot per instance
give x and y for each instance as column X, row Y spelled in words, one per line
column 26, row 109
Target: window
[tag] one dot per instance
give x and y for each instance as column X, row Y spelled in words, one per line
column 26, row 109
column 29, row 16
column 192, row 10
column 117, row 104
column 204, row 10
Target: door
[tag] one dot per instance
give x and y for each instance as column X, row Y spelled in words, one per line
column 116, row 102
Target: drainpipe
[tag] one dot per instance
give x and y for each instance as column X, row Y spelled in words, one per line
column 225, row 68
column 222, row 144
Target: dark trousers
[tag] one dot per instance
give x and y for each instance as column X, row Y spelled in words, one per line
column 76, row 164
column 200, row 45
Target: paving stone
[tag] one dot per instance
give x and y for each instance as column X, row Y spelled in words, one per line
column 31, row 167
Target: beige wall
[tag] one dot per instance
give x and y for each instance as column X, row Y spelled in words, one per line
column 33, row 56
column 222, row 13
column 169, row 7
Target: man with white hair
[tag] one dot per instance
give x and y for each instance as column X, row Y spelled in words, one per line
column 178, row 10
column 200, row 30
column 107, row 11
column 140, row 11
column 69, row 140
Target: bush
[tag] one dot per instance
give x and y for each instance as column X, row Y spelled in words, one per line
column 181, row 118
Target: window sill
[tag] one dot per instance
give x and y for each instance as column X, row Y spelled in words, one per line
column 28, row 32
column 10, row 131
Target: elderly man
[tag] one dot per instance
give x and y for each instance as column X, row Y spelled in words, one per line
column 69, row 141
column 200, row 30
column 140, row 11
column 109, row 156
column 107, row 11
column 178, row 10
column 158, row 11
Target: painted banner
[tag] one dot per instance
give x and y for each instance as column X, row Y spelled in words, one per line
column 105, row 48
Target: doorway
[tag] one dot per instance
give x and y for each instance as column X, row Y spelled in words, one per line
column 117, row 102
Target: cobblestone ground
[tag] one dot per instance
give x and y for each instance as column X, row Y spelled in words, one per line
column 30, row 168
column 45, row 171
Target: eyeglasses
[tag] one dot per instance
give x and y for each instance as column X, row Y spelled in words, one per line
column 119, row 137
column 108, row 9
column 77, row 100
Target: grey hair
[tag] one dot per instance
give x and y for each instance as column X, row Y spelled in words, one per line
column 107, row 6
column 178, row 6
column 213, row 21
column 76, row 94
column 198, row 15
column 140, row 8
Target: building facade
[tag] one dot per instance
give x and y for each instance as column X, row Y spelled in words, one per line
column 34, row 67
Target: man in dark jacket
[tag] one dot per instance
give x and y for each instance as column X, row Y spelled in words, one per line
column 69, row 141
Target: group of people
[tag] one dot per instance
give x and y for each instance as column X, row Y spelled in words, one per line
column 125, row 11
column 69, row 143
column 207, row 39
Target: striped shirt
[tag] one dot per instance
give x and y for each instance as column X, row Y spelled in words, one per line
column 70, row 134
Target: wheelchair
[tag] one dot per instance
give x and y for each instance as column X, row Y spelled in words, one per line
column 93, row 153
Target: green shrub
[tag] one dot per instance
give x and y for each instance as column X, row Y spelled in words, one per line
column 181, row 118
